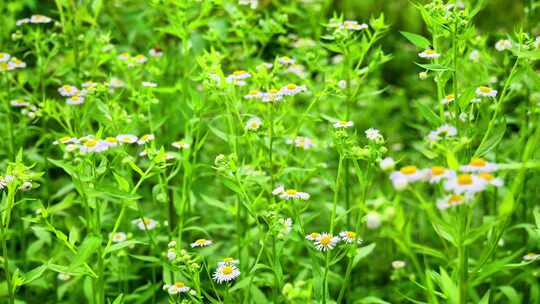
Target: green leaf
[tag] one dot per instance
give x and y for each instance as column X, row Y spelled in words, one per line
column 89, row 246
column 492, row 140
column 485, row 298
column 417, row 40
column 436, row 67
column 34, row 274
column 119, row 299
column 511, row 294
column 362, row 252
column 428, row 114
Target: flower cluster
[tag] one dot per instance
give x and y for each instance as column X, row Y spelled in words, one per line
column 10, row 63
column 325, row 241
column 472, row 178
column 132, row 60
column 90, row 144
column 274, row 95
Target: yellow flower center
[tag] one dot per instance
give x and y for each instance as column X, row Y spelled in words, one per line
column 455, row 199
column 407, row 170
column 253, row 92
column 465, row 179
column 484, row 89
column 325, row 240
column 139, row 57
column 449, row 97
column 291, row 192
column 238, row 73
column 179, row 284
column 291, row 86
column 350, row 234
column 111, row 140
column 430, row 52
column 4, row 66
column 228, row 260
column 146, row 221
column 478, row 162
column 90, row 143
column 314, row 235
column 126, row 138
column 273, row 91
column 486, row 176
column 437, row 170
column 254, row 125
column 64, row 139
column 227, row 270
column 200, row 241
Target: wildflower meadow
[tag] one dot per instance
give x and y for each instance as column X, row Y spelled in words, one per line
column 269, row 151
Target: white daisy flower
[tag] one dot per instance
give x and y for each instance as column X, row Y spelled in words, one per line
column 292, row 89
column 20, row 22
column 342, row 84
column 201, row 243
column 477, row 165
column 140, row 59
column 398, row 264
column 253, row 124
column 89, row 85
column 465, row 183
column 66, row 140
column 68, row 90
column 116, row 83
column 238, row 77
column 437, row 173
column 326, row 242
column 4, row 57
column 531, row 256
column 181, row 144
column 352, row 25
column 491, row 180
column 252, row 3
column 16, row 63
column 19, row 102
column 155, row 52
column 349, row 237
column 76, row 99
column 91, row 145
column 448, row 99
column 474, row 55
column 271, row 95
column 149, row 84
column 298, row 70
column 124, row 56
column 145, row 139
column 373, row 134
column 253, row 94
column 118, row 237
column 171, row 244
column 171, row 255
column 451, row 201
column 286, row 60
column 176, row 288
column 302, row 142
column 537, row 42
column 407, row 174
column 373, row 220
column 111, row 141
column 63, row 276
column 429, row 53
column 292, row 194
column 226, row 273
column 39, row 19
column 387, row 163
column 486, row 91
column 228, row 261
column 503, row 44
column 127, row 138
column 444, row 131
column 343, row 124
column 313, row 236
column 145, row 223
